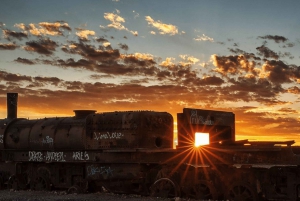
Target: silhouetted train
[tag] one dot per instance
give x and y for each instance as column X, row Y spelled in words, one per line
column 132, row 152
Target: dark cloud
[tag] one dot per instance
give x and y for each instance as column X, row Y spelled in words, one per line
column 233, row 64
column 101, row 54
column 97, row 76
column 52, row 80
column 123, row 46
column 267, row 53
column 211, row 81
column 13, row 77
column 275, row 38
column 24, row 61
column 42, row 46
column 251, row 89
column 80, row 64
column 8, row 46
column 278, row 72
column 245, row 54
column 12, row 34
column 288, row 110
column 289, row 45
column 293, row 90
column 101, row 40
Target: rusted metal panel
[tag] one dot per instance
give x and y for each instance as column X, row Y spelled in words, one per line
column 139, row 129
column 220, row 126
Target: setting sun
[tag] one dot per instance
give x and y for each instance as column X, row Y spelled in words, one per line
column 201, row 139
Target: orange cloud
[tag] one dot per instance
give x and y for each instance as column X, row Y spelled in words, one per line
column 163, row 28
column 116, row 22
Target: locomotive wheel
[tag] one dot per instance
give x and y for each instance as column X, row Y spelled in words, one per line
column 204, row 190
column 13, row 183
column 74, row 190
column 165, row 188
column 78, row 188
column 242, row 191
column 41, row 183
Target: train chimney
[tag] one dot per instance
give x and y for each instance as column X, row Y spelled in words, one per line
column 12, row 105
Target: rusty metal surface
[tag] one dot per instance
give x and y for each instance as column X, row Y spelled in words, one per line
column 133, row 129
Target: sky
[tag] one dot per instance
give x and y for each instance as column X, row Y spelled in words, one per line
column 116, row 55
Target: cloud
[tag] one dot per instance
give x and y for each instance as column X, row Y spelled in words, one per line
column 45, row 28
column 188, row 60
column 266, row 52
column 12, row 34
column 13, row 77
column 8, row 46
column 278, row 72
column 168, row 62
column 163, row 28
column 233, row 64
column 123, row 46
column 83, row 33
column 288, row 111
column 117, row 22
column 24, row 61
column 276, row 38
column 294, row 90
column 203, row 38
column 42, row 46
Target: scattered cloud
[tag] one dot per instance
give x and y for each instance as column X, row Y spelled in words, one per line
column 42, row 46
column 203, row 38
column 24, row 61
column 275, row 38
column 8, row 46
column 267, row 53
column 8, row 34
column 116, row 22
column 45, row 28
column 163, row 28
column 83, row 33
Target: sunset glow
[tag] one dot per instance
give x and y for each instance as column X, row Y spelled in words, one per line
column 201, row 139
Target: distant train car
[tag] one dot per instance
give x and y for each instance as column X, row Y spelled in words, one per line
column 132, row 152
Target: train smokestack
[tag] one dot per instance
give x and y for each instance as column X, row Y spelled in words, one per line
column 12, row 105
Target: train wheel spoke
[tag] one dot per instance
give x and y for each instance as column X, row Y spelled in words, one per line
column 165, row 188
column 242, row 192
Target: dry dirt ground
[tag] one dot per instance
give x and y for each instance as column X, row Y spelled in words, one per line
column 10, row 195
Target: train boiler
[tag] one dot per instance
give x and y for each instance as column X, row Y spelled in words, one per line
column 132, row 152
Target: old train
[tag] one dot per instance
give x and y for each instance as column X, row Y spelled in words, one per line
column 132, row 152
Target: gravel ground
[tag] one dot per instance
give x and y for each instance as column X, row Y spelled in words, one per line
column 10, row 195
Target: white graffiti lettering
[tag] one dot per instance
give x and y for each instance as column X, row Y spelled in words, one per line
column 93, row 170
column 35, row 156
column 1, row 138
column 55, row 156
column 108, row 135
column 195, row 119
column 80, row 156
column 48, row 140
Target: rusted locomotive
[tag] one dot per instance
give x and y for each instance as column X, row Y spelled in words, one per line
column 132, row 152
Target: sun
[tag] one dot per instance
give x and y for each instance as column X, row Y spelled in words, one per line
column 201, row 139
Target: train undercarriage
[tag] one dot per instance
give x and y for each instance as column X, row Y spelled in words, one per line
column 211, row 179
